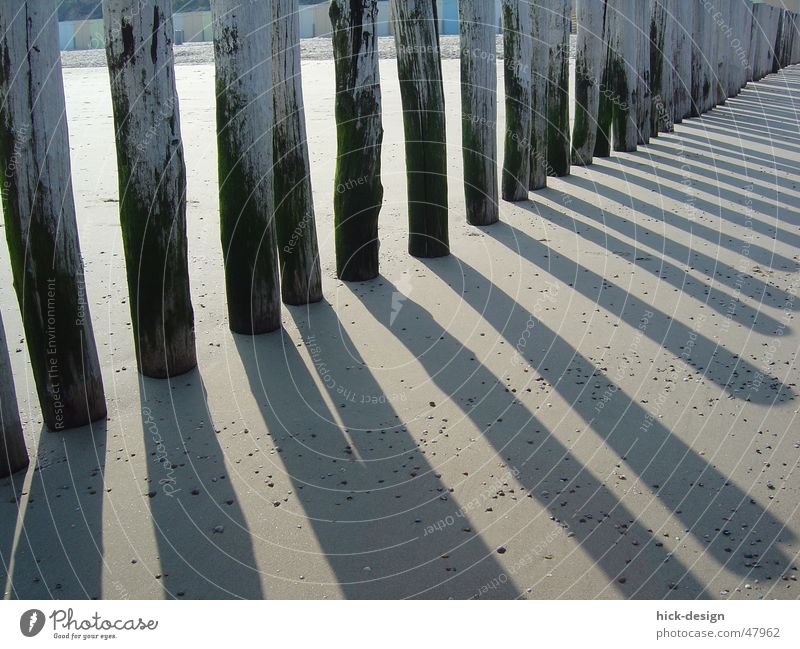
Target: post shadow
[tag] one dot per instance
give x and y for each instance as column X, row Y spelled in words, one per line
column 755, row 158
column 719, row 177
column 661, row 169
column 733, row 374
column 665, row 271
column 11, row 488
column 631, row 556
column 59, row 554
column 757, row 253
column 205, row 545
column 710, row 123
column 710, row 507
column 365, row 485
column 701, row 145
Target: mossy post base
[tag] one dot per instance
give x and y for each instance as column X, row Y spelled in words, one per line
column 590, row 58
column 540, row 71
column 13, row 454
column 517, row 54
column 358, row 189
column 301, row 275
column 40, row 221
column 419, row 68
column 479, row 110
column 558, row 127
column 152, row 183
column 242, row 54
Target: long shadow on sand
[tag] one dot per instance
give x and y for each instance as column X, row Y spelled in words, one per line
column 736, row 376
column 639, row 257
column 600, row 525
column 59, row 554
column 758, row 254
column 204, row 543
column 710, row 507
column 743, row 197
column 364, row 484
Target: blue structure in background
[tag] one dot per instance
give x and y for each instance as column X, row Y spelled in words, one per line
column 449, row 17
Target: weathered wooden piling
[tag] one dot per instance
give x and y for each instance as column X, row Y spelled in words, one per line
column 661, row 66
column 540, row 70
column 682, row 57
column 295, row 225
column 152, row 183
column 590, row 58
column 722, row 18
column 745, row 61
column 784, row 41
column 736, row 76
column 13, row 454
column 242, row 57
column 703, row 72
column 477, row 25
column 358, row 192
column 40, row 220
column 644, row 101
column 605, row 110
column 517, row 57
column 422, row 94
column 558, row 99
column 622, row 70
column 795, row 54
column 766, row 19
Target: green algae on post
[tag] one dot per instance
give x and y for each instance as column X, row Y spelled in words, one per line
column 419, row 69
column 40, row 221
column 152, row 184
column 358, row 191
column 301, row 274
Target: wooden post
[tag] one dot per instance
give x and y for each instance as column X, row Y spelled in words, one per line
column 242, row 52
column 152, row 183
column 746, row 38
column 622, row 69
column 783, row 49
column 518, row 53
column 13, row 454
column 301, row 275
column 605, row 110
column 40, row 221
column 358, row 192
column 644, row 101
column 419, row 67
column 590, row 58
column 756, row 35
column 766, row 20
column 795, row 53
column 540, row 72
column 477, row 25
column 661, row 68
column 737, row 47
column 703, row 74
column 682, row 77
column 722, row 30
column 558, row 127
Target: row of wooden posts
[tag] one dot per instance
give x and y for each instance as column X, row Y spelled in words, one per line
column 641, row 66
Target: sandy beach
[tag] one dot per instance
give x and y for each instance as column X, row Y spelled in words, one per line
column 595, row 398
